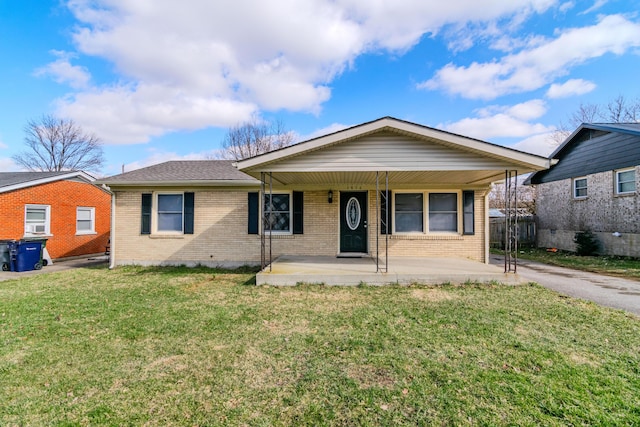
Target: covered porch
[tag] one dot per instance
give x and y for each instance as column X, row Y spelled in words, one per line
column 289, row 270
column 412, row 201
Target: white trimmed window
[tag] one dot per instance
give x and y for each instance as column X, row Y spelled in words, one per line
column 281, row 213
column 426, row 212
column 580, row 188
column 85, row 220
column 37, row 220
column 626, row 181
column 443, row 212
column 170, row 211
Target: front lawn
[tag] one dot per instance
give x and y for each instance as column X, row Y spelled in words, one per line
column 177, row 346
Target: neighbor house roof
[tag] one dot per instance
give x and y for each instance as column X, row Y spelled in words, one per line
column 183, row 172
column 628, row 128
column 593, row 148
column 10, row 181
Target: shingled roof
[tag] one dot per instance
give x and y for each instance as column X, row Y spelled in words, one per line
column 10, row 181
column 199, row 172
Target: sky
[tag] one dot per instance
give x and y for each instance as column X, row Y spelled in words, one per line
column 160, row 80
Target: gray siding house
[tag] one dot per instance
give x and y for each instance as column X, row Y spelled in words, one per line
column 593, row 187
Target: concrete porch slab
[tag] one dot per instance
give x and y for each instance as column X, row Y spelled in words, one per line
column 289, row 270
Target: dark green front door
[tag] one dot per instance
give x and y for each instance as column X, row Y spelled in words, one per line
column 353, row 221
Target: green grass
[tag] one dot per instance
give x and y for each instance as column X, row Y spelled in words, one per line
column 610, row 265
column 177, row 346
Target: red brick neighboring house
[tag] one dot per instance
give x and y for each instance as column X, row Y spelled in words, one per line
column 65, row 207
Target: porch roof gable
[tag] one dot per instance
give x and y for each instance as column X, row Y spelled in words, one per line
column 426, row 154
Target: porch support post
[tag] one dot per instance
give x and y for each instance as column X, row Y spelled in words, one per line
column 511, row 221
column 384, row 220
column 377, row 224
column 270, row 218
column 264, row 222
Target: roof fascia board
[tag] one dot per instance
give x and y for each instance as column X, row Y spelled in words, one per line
column 40, row 181
column 198, row 183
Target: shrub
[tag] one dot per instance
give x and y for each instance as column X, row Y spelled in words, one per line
column 586, row 243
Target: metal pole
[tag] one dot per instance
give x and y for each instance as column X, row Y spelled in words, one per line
column 270, row 219
column 386, row 222
column 515, row 220
column 377, row 222
column 264, row 222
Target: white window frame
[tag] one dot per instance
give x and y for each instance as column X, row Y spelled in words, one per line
column 621, row 171
column 425, row 213
column 155, row 213
column 92, row 212
column 576, row 188
column 29, row 228
column 262, row 212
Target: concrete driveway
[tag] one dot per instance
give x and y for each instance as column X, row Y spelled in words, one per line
column 68, row 264
column 609, row 291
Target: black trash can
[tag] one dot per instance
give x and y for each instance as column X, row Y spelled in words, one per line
column 5, row 257
column 26, row 255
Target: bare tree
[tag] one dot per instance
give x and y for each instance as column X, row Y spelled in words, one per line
column 526, row 200
column 255, row 137
column 59, row 144
column 618, row 110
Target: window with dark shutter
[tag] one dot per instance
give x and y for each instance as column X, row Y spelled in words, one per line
column 467, row 211
column 298, row 212
column 254, row 213
column 145, row 221
column 189, row 199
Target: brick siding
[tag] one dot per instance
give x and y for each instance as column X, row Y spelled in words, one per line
column 63, row 197
column 603, row 212
column 220, row 233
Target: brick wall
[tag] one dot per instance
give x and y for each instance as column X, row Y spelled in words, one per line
column 63, row 197
column 220, row 233
column 603, row 212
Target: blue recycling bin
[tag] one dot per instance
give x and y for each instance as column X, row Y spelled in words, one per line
column 26, row 255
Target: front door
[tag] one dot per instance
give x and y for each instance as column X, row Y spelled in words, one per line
column 353, row 221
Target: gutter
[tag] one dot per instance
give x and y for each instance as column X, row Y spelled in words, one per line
column 112, row 244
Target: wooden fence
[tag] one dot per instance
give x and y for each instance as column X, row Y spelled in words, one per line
column 526, row 232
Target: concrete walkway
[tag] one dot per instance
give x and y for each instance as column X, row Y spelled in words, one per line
column 609, row 291
column 57, row 266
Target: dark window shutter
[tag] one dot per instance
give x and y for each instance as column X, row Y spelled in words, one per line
column 298, row 212
column 254, row 214
column 385, row 206
column 468, row 212
column 188, row 212
column 145, row 221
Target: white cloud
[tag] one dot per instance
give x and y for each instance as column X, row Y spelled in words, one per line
column 502, row 121
column 533, row 68
column 8, row 165
column 332, row 128
column 224, row 63
column 596, row 5
column 157, row 157
column 541, row 144
column 566, row 6
column 122, row 115
column 61, row 71
column 570, row 88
